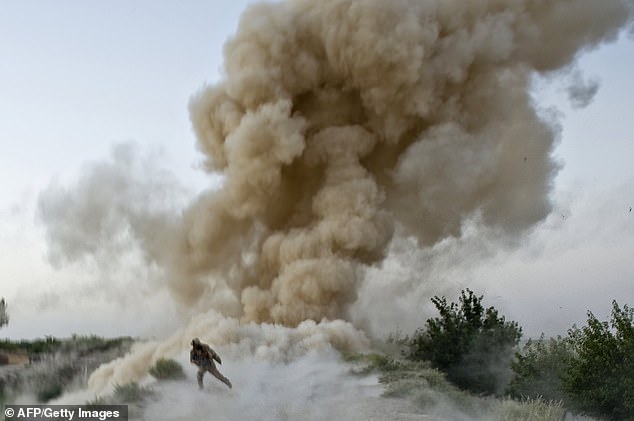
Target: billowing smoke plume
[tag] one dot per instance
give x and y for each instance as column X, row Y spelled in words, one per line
column 339, row 122
column 125, row 197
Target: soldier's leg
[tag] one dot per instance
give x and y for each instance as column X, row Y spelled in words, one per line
column 199, row 376
column 213, row 370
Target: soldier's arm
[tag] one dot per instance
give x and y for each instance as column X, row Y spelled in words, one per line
column 214, row 355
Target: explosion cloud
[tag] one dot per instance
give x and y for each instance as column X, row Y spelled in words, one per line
column 338, row 122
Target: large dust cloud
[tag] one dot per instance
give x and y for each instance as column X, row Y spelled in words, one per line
column 339, row 128
column 339, row 120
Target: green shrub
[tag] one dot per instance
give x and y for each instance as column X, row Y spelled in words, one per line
column 473, row 345
column 130, row 393
column 48, row 392
column 93, row 343
column 529, row 409
column 98, row 400
column 371, row 363
column 352, row 357
column 539, row 369
column 37, row 346
column 600, row 378
column 167, row 369
column 49, row 344
column 429, row 389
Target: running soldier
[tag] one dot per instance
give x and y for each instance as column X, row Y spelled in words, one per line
column 203, row 356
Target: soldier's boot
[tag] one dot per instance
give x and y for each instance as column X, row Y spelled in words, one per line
column 216, row 373
column 199, row 377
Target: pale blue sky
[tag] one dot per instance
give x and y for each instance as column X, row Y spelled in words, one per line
column 77, row 77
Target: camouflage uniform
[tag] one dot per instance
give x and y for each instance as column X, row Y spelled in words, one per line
column 203, row 356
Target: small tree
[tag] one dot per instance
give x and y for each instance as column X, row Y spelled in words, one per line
column 4, row 316
column 473, row 345
column 600, row 379
column 539, row 369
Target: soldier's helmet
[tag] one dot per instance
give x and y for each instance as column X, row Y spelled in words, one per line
column 195, row 342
